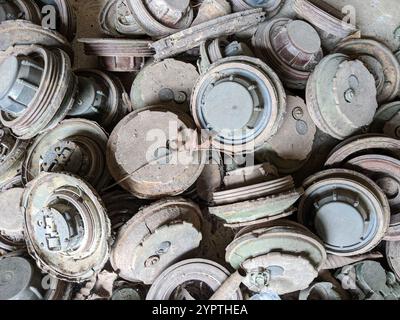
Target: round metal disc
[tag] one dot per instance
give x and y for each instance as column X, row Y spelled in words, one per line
column 152, row 240
column 160, row 169
column 387, row 120
column 162, row 83
column 393, row 257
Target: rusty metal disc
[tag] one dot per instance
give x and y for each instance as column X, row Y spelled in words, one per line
column 393, row 257
column 341, row 96
column 300, row 130
column 190, row 279
column 387, row 120
column 243, row 81
column 346, row 209
column 30, row 10
column 152, row 240
column 165, row 82
column 380, row 61
column 291, row 47
column 75, row 146
column 163, row 168
column 66, row 227
column 363, row 144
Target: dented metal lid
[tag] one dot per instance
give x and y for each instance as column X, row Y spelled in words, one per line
column 152, row 240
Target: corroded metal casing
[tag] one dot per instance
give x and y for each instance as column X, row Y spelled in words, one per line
column 328, row 21
column 268, row 200
column 49, row 100
column 161, row 17
column 341, row 96
column 100, row 86
column 347, row 210
column 170, row 159
column 75, row 146
column 152, row 240
column 291, row 47
column 282, row 256
column 116, row 20
column 380, row 61
column 393, row 257
column 162, row 83
column 387, row 120
column 194, row 36
column 22, row 280
column 194, row 279
column 119, row 55
column 241, row 102
column 66, row 227
column 300, row 130
column 385, row 172
column 211, row 9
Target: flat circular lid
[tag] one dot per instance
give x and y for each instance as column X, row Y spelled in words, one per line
column 303, row 36
column 11, row 217
column 355, row 93
column 15, row 277
column 228, row 106
column 339, row 224
column 125, row 294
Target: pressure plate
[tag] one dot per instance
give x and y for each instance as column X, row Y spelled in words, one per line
column 152, row 240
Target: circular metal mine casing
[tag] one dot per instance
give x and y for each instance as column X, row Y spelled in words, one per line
column 161, row 17
column 152, row 240
column 282, row 256
column 66, row 227
column 341, row 96
column 291, row 47
column 11, row 220
column 118, row 55
column 385, row 172
column 170, row 161
column 100, row 98
column 190, row 279
column 165, row 82
column 387, row 120
column 393, row 257
column 347, row 210
column 241, row 102
column 380, row 61
column 300, row 130
column 39, row 106
column 75, row 146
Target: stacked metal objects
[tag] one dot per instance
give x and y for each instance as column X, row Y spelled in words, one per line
column 221, row 150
